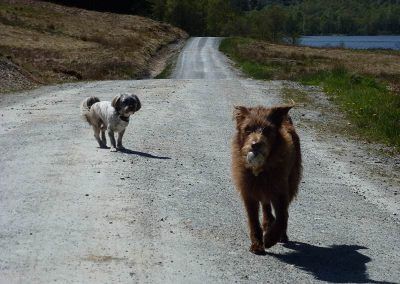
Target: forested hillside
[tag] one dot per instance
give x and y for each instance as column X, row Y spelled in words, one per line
column 266, row 19
column 346, row 17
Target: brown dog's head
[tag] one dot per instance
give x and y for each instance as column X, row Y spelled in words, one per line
column 126, row 104
column 258, row 131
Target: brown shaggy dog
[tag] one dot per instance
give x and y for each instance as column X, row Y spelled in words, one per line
column 266, row 168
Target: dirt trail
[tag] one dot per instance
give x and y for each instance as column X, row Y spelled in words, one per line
column 166, row 211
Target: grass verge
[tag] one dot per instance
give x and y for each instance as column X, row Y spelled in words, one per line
column 167, row 71
column 364, row 84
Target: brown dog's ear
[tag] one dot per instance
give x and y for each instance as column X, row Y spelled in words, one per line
column 115, row 103
column 278, row 114
column 239, row 113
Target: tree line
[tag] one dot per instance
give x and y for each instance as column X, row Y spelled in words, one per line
column 266, row 19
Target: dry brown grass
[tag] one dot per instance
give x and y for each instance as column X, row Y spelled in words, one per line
column 57, row 44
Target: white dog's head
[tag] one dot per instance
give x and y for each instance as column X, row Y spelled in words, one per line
column 126, row 104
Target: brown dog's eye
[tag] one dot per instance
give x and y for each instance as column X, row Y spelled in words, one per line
column 269, row 131
column 248, row 130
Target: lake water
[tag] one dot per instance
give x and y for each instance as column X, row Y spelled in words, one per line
column 356, row 42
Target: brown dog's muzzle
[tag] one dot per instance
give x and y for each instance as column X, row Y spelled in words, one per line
column 256, row 146
column 255, row 151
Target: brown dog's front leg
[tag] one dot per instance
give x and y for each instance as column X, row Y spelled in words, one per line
column 277, row 231
column 252, row 208
column 268, row 218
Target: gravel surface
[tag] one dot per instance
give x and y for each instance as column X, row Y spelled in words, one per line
column 165, row 211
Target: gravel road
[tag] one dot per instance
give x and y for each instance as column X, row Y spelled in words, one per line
column 165, row 211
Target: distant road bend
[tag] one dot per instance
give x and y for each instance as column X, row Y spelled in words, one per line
column 165, row 210
column 200, row 59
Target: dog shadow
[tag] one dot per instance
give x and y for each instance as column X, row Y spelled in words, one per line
column 335, row 264
column 142, row 154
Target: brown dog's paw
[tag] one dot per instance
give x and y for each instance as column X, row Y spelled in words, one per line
column 257, row 249
column 284, row 239
column 270, row 240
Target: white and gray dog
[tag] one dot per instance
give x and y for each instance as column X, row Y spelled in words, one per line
column 110, row 116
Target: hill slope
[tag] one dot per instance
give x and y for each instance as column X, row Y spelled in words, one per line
column 57, row 44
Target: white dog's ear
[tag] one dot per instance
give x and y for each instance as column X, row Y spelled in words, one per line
column 116, row 102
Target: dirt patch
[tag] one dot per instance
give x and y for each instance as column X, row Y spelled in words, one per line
column 101, row 258
column 164, row 57
column 14, row 78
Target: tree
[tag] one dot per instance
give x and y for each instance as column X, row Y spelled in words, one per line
column 277, row 18
column 220, row 18
column 293, row 26
column 186, row 14
column 158, row 9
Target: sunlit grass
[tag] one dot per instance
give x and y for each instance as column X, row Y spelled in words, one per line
column 365, row 98
column 367, row 102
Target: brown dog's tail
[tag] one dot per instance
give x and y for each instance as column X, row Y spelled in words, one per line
column 86, row 105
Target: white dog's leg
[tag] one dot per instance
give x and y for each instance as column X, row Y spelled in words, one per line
column 96, row 131
column 112, row 140
column 119, row 139
column 103, row 137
